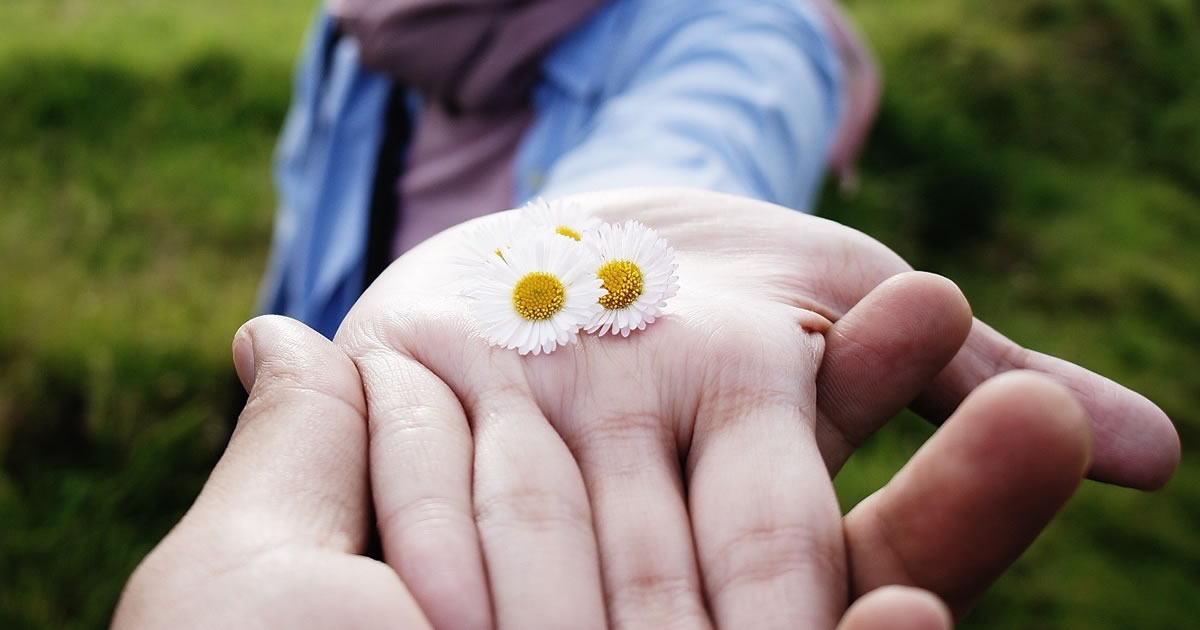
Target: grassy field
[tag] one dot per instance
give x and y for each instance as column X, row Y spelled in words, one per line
column 1045, row 154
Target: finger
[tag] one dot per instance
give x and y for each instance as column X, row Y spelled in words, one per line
column 897, row 608
column 531, row 508
column 630, row 463
column 976, row 495
column 1135, row 443
column 421, row 465
column 881, row 354
column 764, row 515
column 295, row 470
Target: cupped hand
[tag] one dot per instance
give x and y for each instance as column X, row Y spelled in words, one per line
column 275, row 538
column 681, row 476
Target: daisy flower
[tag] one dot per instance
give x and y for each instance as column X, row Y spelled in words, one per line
column 565, row 218
column 637, row 269
column 489, row 239
column 538, row 297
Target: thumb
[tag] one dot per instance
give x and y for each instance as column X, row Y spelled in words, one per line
column 295, row 470
column 272, row 539
column 881, row 354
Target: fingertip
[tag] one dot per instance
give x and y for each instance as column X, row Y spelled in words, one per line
column 272, row 352
column 1143, row 453
column 243, row 357
column 1158, row 471
column 258, row 340
column 1135, row 445
column 1037, row 412
column 943, row 291
column 898, row 608
column 942, row 297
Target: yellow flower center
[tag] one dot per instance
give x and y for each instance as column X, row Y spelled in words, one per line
column 569, row 233
column 623, row 281
column 538, row 296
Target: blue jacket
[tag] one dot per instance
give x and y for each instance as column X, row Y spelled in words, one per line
column 737, row 96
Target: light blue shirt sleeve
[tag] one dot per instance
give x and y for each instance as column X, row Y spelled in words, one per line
column 737, row 97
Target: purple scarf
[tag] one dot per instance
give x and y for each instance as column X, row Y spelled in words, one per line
column 465, row 55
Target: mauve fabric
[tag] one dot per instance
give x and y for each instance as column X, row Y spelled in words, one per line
column 465, row 55
column 457, row 169
column 474, row 63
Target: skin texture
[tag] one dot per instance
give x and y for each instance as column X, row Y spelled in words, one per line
column 679, row 478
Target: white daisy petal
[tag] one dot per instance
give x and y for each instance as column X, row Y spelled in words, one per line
column 534, row 300
column 489, row 238
column 565, row 218
column 638, row 273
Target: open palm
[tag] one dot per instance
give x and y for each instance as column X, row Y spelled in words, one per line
column 681, row 476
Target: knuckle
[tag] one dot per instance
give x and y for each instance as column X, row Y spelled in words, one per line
column 302, row 401
column 725, row 410
column 761, row 554
column 402, row 426
column 656, row 600
column 308, row 378
column 402, row 328
column 531, row 508
column 635, row 437
column 429, row 513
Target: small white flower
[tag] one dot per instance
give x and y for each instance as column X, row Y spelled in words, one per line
column 538, row 296
column 565, row 218
column 488, row 239
column 637, row 269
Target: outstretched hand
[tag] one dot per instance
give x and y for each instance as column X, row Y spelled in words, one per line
column 681, row 476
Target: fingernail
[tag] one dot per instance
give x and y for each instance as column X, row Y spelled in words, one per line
column 243, row 358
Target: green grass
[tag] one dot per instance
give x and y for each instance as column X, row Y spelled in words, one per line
column 1042, row 153
column 135, row 141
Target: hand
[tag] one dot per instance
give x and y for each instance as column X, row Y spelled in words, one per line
column 685, row 471
column 272, row 540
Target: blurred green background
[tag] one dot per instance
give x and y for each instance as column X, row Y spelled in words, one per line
column 1045, row 154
